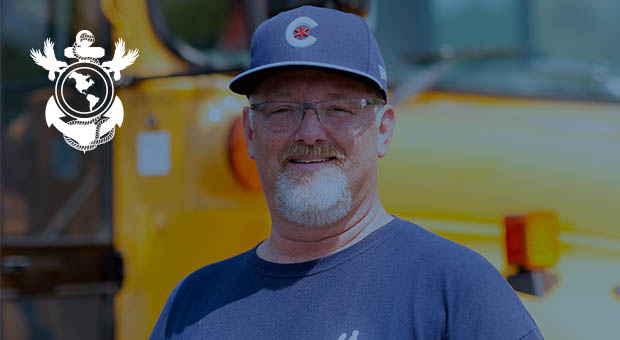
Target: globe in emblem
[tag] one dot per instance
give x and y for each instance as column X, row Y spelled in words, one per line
column 84, row 90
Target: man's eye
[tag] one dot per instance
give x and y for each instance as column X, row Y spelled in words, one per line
column 280, row 110
column 339, row 109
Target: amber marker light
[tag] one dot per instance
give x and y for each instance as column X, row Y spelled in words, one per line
column 542, row 240
column 532, row 245
column 243, row 166
column 532, row 240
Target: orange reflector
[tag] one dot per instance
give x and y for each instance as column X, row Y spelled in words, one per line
column 243, row 166
column 532, row 240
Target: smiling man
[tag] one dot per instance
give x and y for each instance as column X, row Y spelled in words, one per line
column 336, row 265
column 316, row 135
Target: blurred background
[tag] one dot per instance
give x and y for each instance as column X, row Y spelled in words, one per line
column 507, row 140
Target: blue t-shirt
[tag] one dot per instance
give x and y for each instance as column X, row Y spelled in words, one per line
column 400, row 282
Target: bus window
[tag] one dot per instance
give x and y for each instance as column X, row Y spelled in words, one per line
column 209, row 34
column 507, row 47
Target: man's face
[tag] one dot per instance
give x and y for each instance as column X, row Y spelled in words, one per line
column 314, row 175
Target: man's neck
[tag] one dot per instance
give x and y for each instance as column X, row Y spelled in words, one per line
column 286, row 249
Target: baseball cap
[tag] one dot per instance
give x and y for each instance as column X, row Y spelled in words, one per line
column 314, row 37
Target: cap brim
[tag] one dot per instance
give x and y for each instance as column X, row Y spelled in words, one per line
column 245, row 82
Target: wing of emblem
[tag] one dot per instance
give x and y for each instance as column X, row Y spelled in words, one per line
column 47, row 59
column 120, row 61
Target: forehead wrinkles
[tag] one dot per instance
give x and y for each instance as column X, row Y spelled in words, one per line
column 290, row 84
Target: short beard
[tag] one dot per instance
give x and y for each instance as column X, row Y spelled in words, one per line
column 313, row 200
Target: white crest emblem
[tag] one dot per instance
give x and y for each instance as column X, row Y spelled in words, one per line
column 84, row 107
column 296, row 33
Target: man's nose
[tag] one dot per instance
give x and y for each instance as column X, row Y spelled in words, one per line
column 310, row 128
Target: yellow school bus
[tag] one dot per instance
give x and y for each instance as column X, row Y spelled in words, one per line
column 507, row 140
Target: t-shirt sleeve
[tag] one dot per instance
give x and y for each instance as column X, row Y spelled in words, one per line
column 480, row 304
column 533, row 335
column 159, row 330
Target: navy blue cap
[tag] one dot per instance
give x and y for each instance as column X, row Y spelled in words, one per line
column 311, row 36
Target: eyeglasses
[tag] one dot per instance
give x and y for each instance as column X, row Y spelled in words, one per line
column 279, row 116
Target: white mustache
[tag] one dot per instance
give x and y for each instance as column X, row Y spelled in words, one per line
column 319, row 149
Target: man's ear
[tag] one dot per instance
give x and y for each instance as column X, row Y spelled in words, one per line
column 385, row 124
column 248, row 131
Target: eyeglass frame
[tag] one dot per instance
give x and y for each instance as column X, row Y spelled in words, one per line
column 305, row 106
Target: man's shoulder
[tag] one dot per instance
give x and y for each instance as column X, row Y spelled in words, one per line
column 212, row 277
column 452, row 265
column 465, row 281
column 216, row 277
column 422, row 244
column 219, row 270
column 202, row 292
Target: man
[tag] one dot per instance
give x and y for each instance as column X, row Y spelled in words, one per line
column 336, row 265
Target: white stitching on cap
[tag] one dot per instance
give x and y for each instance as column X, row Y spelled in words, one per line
column 382, row 72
